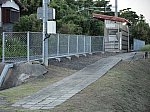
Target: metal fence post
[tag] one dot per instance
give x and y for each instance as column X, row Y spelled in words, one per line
column 3, row 49
column 28, row 46
column 68, row 44
column 103, row 44
column 84, row 43
column 58, row 45
column 77, row 44
column 90, row 44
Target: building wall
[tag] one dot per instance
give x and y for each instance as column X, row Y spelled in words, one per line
column 116, row 36
column 138, row 44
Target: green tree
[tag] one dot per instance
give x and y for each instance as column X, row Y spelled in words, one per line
column 31, row 5
column 77, row 13
column 28, row 23
column 139, row 28
column 142, row 29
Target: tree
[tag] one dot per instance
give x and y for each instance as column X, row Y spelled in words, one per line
column 31, row 5
column 71, row 28
column 28, row 23
column 142, row 30
column 139, row 28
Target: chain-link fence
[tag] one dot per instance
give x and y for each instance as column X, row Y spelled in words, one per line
column 28, row 46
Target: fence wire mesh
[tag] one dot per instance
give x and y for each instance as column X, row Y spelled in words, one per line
column 15, row 47
column 28, row 46
column 35, row 45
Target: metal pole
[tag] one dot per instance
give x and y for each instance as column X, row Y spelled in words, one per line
column 116, row 8
column 77, row 44
column 45, row 41
column 104, row 44
column 84, row 43
column 90, row 44
column 3, row 51
column 128, row 38
column 68, row 44
column 58, row 44
column 28, row 47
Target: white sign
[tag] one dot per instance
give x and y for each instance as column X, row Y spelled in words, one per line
column 110, row 25
column 51, row 13
column 51, row 27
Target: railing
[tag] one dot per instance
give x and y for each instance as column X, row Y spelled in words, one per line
column 27, row 46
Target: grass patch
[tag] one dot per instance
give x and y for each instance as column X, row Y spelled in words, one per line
column 14, row 94
column 125, row 88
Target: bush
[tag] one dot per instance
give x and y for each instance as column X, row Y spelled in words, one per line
column 145, row 48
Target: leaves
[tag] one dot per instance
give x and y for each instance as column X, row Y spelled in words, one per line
column 75, row 17
column 139, row 28
column 28, row 23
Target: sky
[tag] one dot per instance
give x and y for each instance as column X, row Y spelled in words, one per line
column 139, row 6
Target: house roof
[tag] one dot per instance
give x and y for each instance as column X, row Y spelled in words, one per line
column 16, row 1
column 112, row 18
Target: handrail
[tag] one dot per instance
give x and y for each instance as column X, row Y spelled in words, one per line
column 4, row 73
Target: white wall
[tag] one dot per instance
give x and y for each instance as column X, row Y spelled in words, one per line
column 11, row 4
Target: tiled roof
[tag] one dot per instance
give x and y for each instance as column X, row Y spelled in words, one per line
column 112, row 18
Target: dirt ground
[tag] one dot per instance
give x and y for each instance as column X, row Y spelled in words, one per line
column 125, row 88
column 81, row 62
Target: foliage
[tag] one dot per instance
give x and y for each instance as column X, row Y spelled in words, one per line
column 145, row 48
column 70, row 28
column 75, row 17
column 72, row 16
column 139, row 28
column 31, row 5
column 28, row 23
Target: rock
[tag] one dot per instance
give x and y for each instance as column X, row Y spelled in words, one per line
column 26, row 71
column 22, row 73
column 23, row 77
column 33, row 70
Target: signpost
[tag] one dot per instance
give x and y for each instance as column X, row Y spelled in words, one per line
column 46, row 14
column 51, row 13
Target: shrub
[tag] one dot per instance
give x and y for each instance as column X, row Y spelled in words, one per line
column 145, row 48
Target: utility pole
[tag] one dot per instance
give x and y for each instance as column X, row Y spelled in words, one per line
column 45, row 41
column 116, row 8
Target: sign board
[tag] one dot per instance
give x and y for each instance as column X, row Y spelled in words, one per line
column 47, row 1
column 51, row 27
column 50, row 11
column 110, row 26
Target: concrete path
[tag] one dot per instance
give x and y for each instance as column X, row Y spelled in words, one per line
column 60, row 91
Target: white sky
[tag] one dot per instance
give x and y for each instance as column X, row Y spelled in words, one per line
column 139, row 6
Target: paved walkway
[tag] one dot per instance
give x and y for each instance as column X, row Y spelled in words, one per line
column 60, row 91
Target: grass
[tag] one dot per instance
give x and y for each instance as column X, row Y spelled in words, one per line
column 125, row 88
column 14, row 94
